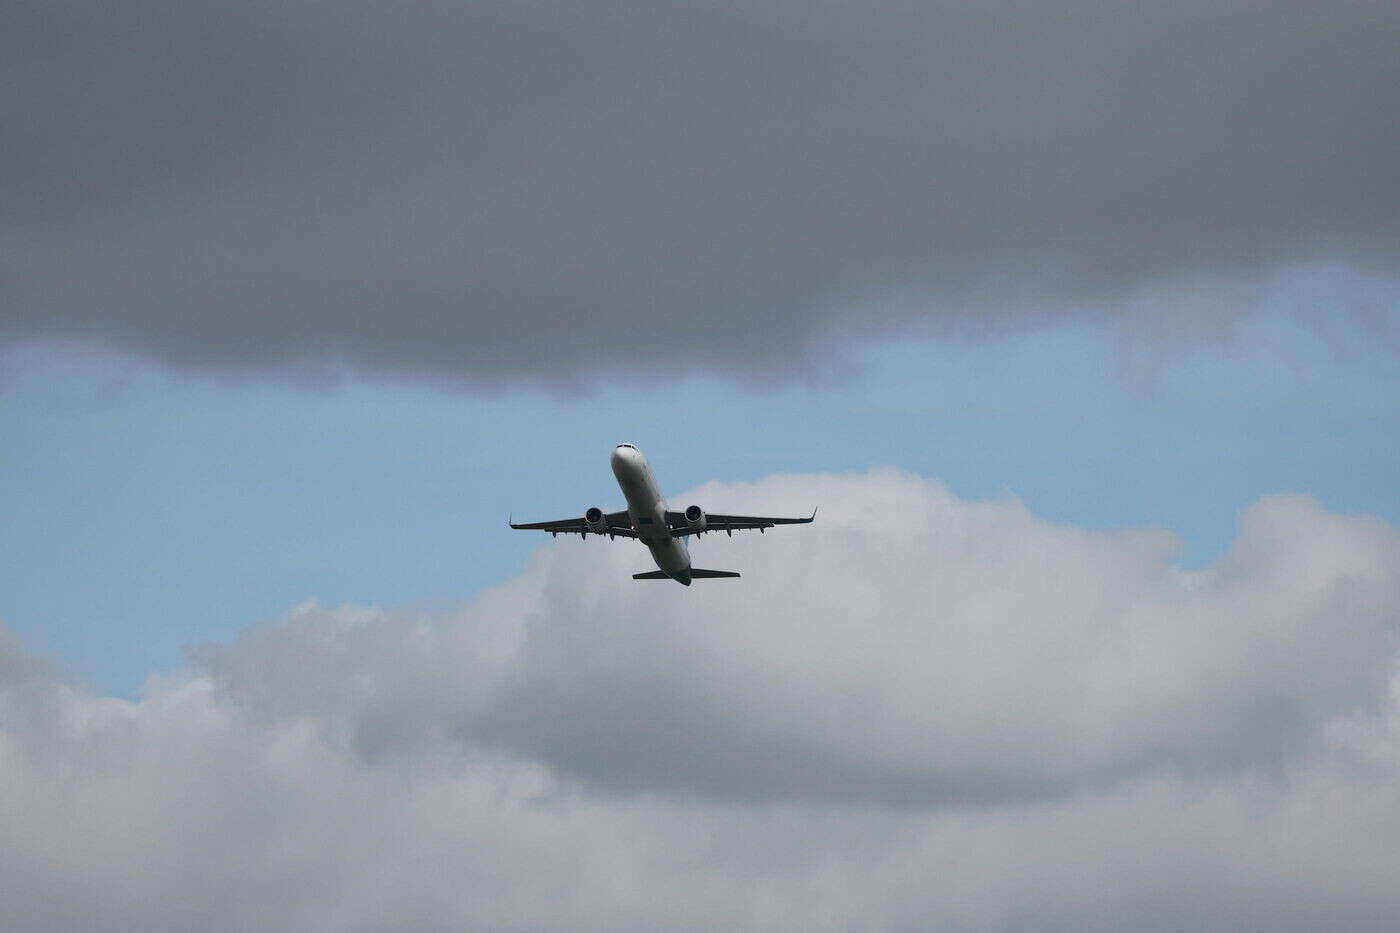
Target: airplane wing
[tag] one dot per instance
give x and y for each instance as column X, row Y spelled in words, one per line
column 619, row 524
column 731, row 523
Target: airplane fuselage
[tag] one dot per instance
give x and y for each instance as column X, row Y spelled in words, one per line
column 647, row 509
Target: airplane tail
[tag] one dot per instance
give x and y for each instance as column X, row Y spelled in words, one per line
column 695, row 574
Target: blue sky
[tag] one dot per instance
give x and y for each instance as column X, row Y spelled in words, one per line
column 163, row 509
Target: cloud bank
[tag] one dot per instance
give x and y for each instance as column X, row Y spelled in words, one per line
column 527, row 188
column 920, row 712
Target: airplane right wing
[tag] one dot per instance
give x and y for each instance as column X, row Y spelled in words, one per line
column 732, row 523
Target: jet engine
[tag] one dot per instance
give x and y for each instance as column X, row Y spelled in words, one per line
column 593, row 519
column 695, row 518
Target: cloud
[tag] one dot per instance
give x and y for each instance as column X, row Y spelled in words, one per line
column 516, row 189
column 973, row 653
column 918, row 712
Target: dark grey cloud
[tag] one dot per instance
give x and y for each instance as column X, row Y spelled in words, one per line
column 546, row 187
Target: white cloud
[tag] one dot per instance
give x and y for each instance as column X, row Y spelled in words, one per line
column 917, row 712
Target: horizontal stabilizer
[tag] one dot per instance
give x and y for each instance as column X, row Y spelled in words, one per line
column 695, row 574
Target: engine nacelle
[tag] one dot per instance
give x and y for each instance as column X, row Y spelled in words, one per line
column 695, row 518
column 593, row 520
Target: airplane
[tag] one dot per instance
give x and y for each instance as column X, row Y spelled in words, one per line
column 647, row 519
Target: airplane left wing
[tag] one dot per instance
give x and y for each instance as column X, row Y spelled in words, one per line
column 614, row 524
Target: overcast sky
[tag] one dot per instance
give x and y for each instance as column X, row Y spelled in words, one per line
column 531, row 189
column 1079, row 321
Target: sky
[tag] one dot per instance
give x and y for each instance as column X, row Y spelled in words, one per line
column 1079, row 321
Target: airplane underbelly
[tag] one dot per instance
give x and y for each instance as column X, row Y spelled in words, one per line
column 671, row 555
column 644, row 504
column 647, row 510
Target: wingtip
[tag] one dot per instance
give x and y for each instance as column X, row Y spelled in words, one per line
column 814, row 514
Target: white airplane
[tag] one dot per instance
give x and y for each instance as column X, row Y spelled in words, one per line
column 648, row 520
